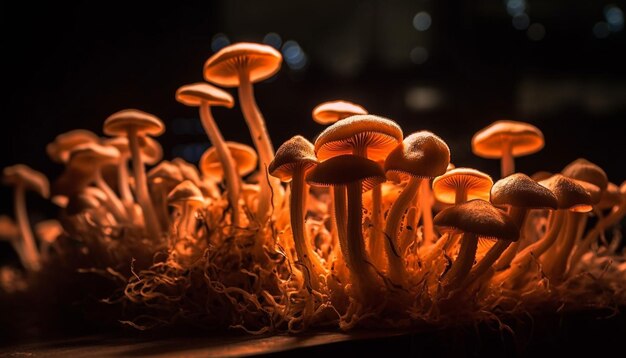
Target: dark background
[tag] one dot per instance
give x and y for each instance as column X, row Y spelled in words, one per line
column 70, row 65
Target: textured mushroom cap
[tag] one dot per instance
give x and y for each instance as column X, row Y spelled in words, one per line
column 332, row 111
column 194, row 94
column 93, row 155
column 151, row 150
column 582, row 169
column 480, row 218
column 346, row 169
column 518, row 190
column 593, row 191
column 21, row 174
column 245, row 158
column 541, row 175
column 380, row 135
column 610, row 197
column 260, row 61
column 165, row 172
column 185, row 193
column 421, row 155
column 570, row 195
column 295, row 152
column 119, row 123
column 525, row 139
column 476, row 185
column 59, row 150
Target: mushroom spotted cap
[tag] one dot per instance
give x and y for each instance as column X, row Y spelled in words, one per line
column 474, row 183
column 570, row 195
column 295, row 152
column 245, row 158
column 119, row 123
column 421, row 155
column 519, row 190
column 259, row 61
column 346, row 169
column 194, row 94
column 524, row 138
column 333, row 111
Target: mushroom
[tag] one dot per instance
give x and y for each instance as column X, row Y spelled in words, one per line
column 333, row 111
column 420, row 157
column 203, row 95
column 293, row 159
column 187, row 198
column 244, row 157
column 459, row 185
column 163, row 178
column 135, row 124
column 506, row 140
column 59, row 150
column 351, row 173
column 475, row 218
column 240, row 65
column 22, row 178
column 48, row 232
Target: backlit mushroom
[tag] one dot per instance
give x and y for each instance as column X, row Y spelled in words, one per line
column 59, row 150
column 188, row 199
column 459, row 185
column 332, row 111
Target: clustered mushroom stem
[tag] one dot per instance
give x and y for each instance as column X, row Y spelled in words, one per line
column 124, row 186
column 143, row 197
column 397, row 271
column 113, row 202
column 518, row 215
column 461, row 195
column 507, row 162
column 233, row 184
column 258, row 131
column 463, row 263
column 486, row 262
column 340, row 208
column 574, row 223
column 427, row 213
column 376, row 242
column 29, row 248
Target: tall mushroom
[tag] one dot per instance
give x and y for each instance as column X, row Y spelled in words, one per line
column 506, row 140
column 420, row 157
column 240, row 65
column 293, row 159
column 134, row 124
column 330, row 112
column 203, row 95
column 22, row 178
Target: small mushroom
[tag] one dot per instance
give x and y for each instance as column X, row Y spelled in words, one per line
column 187, row 198
column 59, row 150
column 163, row 178
column 330, row 112
column 459, row 185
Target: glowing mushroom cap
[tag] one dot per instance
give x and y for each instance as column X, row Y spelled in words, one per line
column 59, row 150
column 594, row 191
column 331, row 112
column 260, row 61
column 296, row 152
column 165, row 172
column 151, row 150
column 610, row 197
column 21, row 174
column 480, row 218
column 194, row 94
column 379, row 135
column 519, row 190
column 570, row 195
column 541, row 175
column 185, row 193
column 119, row 123
column 245, row 158
column 346, row 169
column 582, row 169
column 475, row 184
column 421, row 155
column 524, row 138
column 93, row 155
column 188, row 170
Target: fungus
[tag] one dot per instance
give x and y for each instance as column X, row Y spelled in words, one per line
column 333, row 111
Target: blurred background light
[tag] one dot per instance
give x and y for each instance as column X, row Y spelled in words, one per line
column 219, row 41
column 422, row 21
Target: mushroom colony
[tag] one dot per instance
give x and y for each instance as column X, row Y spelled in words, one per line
column 366, row 226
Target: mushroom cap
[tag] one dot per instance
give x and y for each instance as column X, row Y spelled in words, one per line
column 480, row 218
column 260, row 61
column 165, row 172
column 119, row 123
column 519, row 190
column 346, row 169
column 93, row 155
column 185, row 193
column 477, row 185
column 332, row 111
column 48, row 230
column 59, row 150
column 541, row 175
column 194, row 94
column 582, row 169
column 245, row 158
column 450, row 167
column 570, row 195
column 380, row 135
column 295, row 152
column 151, row 150
column 525, row 139
column 594, row 191
column 610, row 197
column 421, row 154
column 20, row 174
column 188, row 170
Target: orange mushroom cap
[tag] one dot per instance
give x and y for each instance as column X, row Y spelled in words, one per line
column 570, row 195
column 92, row 155
column 145, row 123
column 21, row 174
column 165, row 172
column 59, row 150
column 519, row 190
column 525, row 139
column 346, row 169
column 295, row 152
column 476, row 184
column 421, row 154
column 186, row 193
column 260, row 61
column 582, row 169
column 151, row 150
column 332, row 111
column 194, row 94
column 244, row 156
column 610, row 197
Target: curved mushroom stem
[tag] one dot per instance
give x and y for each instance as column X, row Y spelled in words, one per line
column 463, row 263
column 308, row 258
column 425, row 204
column 485, row 263
column 28, row 247
column 143, row 197
column 375, row 244
column 519, row 217
column 114, row 204
column 507, row 163
column 575, row 223
column 258, row 131
column 233, row 182
column 124, row 186
column 397, row 271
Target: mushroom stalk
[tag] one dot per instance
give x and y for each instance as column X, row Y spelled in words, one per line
column 427, row 213
column 28, row 247
column 518, row 215
column 233, row 184
column 575, row 224
column 507, row 164
column 485, row 263
column 114, row 204
column 124, row 186
column 258, row 131
column 376, row 243
column 340, row 218
column 463, row 263
column 143, row 197
column 397, row 271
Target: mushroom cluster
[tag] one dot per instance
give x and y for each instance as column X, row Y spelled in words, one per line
column 364, row 226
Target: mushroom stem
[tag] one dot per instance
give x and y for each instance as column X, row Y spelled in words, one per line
column 113, row 202
column 507, row 163
column 339, row 203
column 397, row 271
column 258, row 131
column 143, row 197
column 463, row 263
column 124, row 186
column 485, row 263
column 518, row 215
column 233, row 183
column 427, row 213
column 574, row 225
column 375, row 244
column 28, row 250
